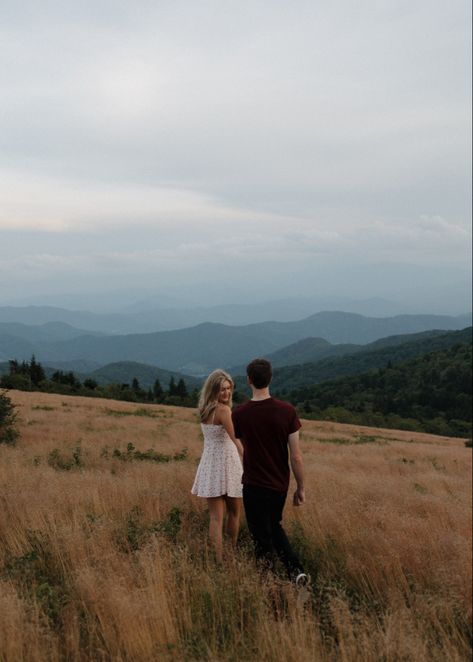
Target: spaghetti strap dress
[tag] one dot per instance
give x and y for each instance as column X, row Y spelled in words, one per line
column 220, row 470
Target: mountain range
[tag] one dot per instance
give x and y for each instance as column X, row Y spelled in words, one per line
column 197, row 350
column 340, row 361
column 152, row 314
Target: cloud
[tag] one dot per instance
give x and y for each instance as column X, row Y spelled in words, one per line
column 44, row 204
column 248, row 244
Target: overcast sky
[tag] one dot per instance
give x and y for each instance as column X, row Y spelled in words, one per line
column 222, row 150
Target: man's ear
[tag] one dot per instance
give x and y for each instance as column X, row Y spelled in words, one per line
column 248, row 381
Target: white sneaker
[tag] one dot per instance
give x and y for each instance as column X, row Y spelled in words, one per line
column 302, row 580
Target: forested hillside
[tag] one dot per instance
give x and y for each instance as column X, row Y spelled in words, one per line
column 376, row 355
column 430, row 393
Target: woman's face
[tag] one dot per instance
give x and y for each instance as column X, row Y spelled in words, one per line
column 225, row 392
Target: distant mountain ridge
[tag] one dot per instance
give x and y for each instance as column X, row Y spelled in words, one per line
column 168, row 319
column 197, row 350
column 47, row 332
column 20, row 340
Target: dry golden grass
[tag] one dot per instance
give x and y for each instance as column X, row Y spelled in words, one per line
column 108, row 560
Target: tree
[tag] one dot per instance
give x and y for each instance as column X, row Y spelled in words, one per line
column 172, row 387
column 158, row 392
column 66, row 378
column 8, row 432
column 36, row 371
column 181, row 389
column 14, row 367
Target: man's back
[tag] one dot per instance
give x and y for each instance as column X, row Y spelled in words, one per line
column 264, row 427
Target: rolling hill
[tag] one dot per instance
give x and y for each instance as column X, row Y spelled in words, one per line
column 123, row 372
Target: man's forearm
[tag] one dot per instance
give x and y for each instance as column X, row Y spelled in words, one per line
column 298, row 471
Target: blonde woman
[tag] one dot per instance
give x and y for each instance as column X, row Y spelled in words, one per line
column 218, row 477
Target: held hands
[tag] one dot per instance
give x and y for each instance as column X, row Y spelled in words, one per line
column 239, row 446
column 299, row 497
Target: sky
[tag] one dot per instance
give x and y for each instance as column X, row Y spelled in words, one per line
column 220, row 151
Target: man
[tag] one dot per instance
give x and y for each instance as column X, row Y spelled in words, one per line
column 269, row 431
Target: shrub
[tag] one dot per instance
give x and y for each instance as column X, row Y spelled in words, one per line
column 57, row 461
column 17, row 381
column 133, row 453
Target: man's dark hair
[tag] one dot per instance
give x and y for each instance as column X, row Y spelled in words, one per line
column 259, row 372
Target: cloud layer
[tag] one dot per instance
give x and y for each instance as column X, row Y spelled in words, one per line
column 142, row 137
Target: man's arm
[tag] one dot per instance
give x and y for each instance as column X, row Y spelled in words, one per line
column 295, row 457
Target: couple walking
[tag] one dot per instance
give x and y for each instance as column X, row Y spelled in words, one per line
column 264, row 433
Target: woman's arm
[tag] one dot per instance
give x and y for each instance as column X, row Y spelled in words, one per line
column 224, row 417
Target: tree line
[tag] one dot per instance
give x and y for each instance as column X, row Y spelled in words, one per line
column 31, row 376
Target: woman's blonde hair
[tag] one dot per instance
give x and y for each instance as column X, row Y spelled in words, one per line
column 208, row 398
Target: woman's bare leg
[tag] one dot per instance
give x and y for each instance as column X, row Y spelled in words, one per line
column 233, row 518
column 216, row 511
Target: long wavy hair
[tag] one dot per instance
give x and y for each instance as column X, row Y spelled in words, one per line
column 208, row 398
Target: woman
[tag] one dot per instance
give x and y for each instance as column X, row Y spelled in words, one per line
column 218, row 477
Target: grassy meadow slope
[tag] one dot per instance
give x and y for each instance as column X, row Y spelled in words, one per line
column 103, row 552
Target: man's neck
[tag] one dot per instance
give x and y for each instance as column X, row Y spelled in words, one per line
column 260, row 394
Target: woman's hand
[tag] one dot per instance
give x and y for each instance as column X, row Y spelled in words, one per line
column 239, row 446
column 225, row 419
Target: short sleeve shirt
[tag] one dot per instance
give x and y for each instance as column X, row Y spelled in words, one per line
column 264, row 427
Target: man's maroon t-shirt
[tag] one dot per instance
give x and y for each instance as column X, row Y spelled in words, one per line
column 264, row 426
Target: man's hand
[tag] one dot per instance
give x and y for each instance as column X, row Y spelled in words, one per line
column 299, row 497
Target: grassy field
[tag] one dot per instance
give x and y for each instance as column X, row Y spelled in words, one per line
column 103, row 551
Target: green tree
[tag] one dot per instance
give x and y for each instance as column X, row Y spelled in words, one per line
column 158, row 392
column 8, row 432
column 172, row 387
column 181, row 389
column 36, row 371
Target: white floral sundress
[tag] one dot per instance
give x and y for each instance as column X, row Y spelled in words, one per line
column 220, row 470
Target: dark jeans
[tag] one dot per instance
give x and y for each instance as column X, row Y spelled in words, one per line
column 263, row 509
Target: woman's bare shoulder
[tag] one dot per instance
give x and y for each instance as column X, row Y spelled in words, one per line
column 222, row 411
